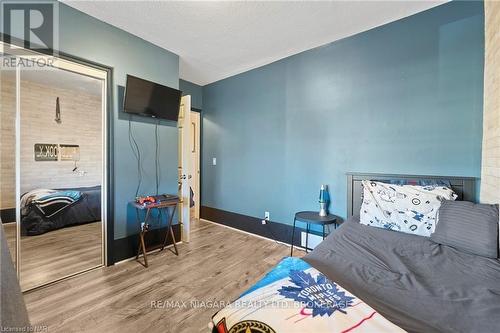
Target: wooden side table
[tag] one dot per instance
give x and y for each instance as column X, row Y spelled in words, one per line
column 144, row 226
column 309, row 218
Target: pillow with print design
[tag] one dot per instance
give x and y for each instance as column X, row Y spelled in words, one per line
column 405, row 208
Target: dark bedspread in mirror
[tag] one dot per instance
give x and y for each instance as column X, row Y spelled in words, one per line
column 85, row 210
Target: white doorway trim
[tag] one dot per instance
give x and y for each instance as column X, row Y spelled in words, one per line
column 185, row 173
column 195, row 160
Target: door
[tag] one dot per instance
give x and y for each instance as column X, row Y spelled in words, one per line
column 184, row 169
column 58, row 141
column 195, row 162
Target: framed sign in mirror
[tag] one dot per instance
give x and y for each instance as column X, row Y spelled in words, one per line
column 56, row 152
column 46, row 151
column 69, row 152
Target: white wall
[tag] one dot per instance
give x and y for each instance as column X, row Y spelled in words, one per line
column 7, row 140
column 490, row 173
column 81, row 125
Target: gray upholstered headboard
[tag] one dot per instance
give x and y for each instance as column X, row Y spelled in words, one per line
column 464, row 187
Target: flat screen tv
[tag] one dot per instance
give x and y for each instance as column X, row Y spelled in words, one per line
column 151, row 99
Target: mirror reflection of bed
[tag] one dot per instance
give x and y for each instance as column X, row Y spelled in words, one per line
column 60, row 173
column 60, row 233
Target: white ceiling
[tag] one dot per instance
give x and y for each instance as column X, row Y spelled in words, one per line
column 218, row 39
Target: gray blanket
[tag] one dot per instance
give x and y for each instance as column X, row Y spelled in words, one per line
column 417, row 284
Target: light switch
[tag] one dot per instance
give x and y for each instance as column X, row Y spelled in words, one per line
column 214, row 161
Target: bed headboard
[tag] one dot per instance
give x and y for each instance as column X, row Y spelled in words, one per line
column 464, row 187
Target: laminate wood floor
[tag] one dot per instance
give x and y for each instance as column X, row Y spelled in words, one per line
column 9, row 229
column 217, row 265
column 57, row 253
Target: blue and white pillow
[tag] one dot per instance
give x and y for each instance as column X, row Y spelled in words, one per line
column 406, row 208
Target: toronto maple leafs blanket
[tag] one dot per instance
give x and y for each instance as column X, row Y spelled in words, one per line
column 295, row 297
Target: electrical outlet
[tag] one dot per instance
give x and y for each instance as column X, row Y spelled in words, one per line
column 266, row 216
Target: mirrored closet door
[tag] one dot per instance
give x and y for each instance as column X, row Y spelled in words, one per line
column 54, row 172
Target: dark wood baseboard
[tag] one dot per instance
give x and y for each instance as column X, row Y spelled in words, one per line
column 125, row 248
column 274, row 230
column 8, row 215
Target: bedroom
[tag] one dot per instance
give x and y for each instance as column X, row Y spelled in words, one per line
column 349, row 94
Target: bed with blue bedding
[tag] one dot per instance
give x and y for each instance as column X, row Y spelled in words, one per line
column 373, row 278
column 365, row 279
column 44, row 210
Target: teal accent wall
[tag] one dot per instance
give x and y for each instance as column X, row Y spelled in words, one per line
column 196, row 92
column 405, row 97
column 85, row 37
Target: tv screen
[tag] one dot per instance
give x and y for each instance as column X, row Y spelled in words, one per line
column 151, row 99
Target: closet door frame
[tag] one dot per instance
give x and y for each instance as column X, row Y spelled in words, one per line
column 90, row 69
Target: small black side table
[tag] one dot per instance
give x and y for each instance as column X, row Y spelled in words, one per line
column 312, row 218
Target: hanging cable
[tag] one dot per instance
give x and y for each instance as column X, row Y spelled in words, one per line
column 157, row 164
column 137, row 153
column 157, row 160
